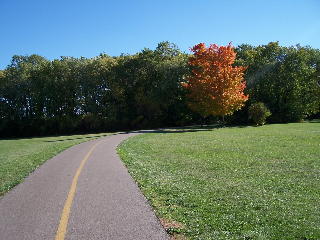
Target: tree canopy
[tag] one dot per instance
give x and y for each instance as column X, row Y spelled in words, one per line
column 215, row 86
column 143, row 90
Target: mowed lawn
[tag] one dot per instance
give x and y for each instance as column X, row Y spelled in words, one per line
column 20, row 157
column 232, row 183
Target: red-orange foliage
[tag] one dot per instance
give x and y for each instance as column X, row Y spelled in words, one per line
column 215, row 86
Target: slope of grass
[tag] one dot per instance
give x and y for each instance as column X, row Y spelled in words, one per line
column 232, row 183
column 20, row 157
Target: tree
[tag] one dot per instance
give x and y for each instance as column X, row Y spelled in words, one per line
column 150, row 84
column 285, row 78
column 215, row 86
column 21, row 87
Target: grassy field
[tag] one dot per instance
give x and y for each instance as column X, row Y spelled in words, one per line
column 20, row 157
column 231, row 183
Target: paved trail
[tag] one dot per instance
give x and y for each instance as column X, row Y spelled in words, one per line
column 86, row 193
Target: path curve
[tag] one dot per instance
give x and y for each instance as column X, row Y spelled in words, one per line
column 107, row 202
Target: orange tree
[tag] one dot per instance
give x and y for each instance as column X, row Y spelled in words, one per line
column 215, row 86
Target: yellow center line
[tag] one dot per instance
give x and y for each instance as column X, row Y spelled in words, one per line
column 62, row 229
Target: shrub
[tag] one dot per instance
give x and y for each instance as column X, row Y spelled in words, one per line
column 258, row 112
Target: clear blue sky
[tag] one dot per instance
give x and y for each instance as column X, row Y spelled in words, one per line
column 54, row 28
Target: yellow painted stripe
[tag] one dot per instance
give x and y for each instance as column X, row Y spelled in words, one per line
column 62, row 229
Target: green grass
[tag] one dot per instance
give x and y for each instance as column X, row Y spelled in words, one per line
column 20, row 157
column 232, row 183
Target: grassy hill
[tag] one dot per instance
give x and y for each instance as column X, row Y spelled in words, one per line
column 231, row 183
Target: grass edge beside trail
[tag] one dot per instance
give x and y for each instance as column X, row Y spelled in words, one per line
column 144, row 157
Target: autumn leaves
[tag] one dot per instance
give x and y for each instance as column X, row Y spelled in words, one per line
column 215, row 86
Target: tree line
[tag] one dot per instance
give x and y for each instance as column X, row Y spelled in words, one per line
column 143, row 90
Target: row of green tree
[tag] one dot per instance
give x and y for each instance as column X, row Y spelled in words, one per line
column 143, row 90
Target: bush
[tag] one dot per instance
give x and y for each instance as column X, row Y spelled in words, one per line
column 258, row 112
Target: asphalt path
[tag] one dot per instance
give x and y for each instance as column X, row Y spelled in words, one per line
column 85, row 193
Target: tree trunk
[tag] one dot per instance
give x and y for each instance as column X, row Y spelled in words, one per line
column 203, row 121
